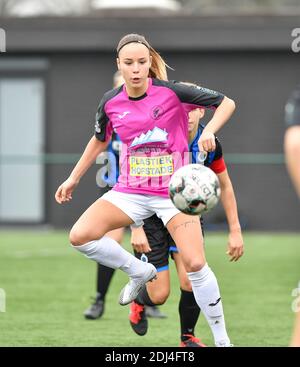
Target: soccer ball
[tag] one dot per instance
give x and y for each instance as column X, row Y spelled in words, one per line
column 194, row 189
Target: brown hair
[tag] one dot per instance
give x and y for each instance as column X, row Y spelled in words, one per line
column 158, row 67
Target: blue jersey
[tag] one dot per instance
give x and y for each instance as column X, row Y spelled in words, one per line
column 211, row 156
column 114, row 147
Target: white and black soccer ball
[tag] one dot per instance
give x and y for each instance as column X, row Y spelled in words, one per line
column 194, row 189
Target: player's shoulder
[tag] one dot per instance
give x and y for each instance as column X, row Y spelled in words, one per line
column 168, row 83
column 184, row 92
column 111, row 94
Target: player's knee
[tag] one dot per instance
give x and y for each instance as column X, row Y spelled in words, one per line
column 159, row 298
column 78, row 237
column 194, row 265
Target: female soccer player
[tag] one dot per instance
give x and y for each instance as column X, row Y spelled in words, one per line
column 104, row 273
column 157, row 239
column 292, row 155
column 149, row 115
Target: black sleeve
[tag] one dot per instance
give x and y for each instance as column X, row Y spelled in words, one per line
column 292, row 108
column 196, row 95
column 218, row 151
column 103, row 128
column 215, row 155
column 101, row 121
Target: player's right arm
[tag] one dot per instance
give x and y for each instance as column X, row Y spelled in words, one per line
column 92, row 150
column 97, row 144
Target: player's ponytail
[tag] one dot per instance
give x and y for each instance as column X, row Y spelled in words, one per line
column 158, row 67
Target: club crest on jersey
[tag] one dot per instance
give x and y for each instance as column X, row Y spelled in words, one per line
column 152, row 136
column 156, row 112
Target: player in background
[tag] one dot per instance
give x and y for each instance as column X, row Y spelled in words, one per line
column 292, row 156
column 155, row 237
column 104, row 273
column 149, row 115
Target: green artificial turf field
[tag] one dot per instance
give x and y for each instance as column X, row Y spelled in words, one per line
column 48, row 286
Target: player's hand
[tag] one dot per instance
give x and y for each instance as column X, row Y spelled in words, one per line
column 235, row 247
column 65, row 190
column 207, row 142
column 139, row 240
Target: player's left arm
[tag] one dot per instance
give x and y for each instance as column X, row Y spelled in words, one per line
column 196, row 96
column 221, row 116
column 235, row 239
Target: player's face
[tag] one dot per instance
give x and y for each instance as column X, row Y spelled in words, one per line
column 194, row 117
column 134, row 62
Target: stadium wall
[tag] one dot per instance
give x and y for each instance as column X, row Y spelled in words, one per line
column 249, row 58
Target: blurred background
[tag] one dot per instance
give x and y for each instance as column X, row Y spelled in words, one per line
column 57, row 59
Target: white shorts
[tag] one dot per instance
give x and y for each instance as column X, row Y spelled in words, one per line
column 140, row 206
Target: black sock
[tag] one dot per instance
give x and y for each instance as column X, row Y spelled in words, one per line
column 143, row 298
column 188, row 312
column 104, row 276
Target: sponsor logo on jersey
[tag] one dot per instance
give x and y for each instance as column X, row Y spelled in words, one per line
column 152, row 136
column 151, row 166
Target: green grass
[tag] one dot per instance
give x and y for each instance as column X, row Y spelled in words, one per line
column 48, row 285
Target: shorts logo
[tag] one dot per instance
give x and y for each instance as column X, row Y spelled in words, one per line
column 144, row 258
column 156, row 112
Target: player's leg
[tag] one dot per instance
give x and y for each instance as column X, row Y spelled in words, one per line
column 187, row 234
column 295, row 342
column 188, row 308
column 104, row 277
column 88, row 237
column 157, row 292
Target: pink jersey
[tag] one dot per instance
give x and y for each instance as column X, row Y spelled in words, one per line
column 153, row 129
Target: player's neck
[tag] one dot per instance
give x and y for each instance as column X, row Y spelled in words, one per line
column 135, row 92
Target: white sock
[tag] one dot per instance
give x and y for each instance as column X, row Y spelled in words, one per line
column 207, row 295
column 108, row 252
